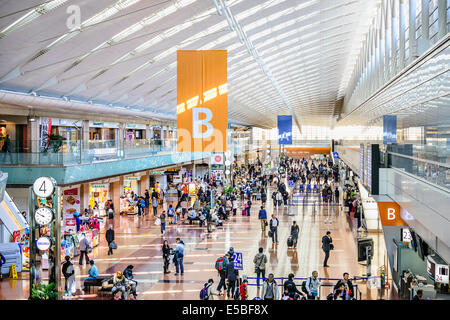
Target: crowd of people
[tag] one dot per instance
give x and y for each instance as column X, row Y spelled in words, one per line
column 215, row 203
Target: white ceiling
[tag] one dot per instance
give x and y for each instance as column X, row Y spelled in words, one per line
column 125, row 52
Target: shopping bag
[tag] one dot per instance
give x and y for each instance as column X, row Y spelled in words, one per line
column 113, row 245
column 158, row 221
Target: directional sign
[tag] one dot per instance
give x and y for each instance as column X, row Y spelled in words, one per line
column 238, row 261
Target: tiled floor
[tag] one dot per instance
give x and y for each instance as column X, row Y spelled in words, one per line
column 139, row 243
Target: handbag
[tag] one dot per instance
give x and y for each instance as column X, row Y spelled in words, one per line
column 158, row 221
column 259, row 265
column 331, row 246
column 113, row 245
column 89, row 249
column 270, row 233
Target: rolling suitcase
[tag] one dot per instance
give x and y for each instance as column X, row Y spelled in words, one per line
column 244, row 212
column 290, row 242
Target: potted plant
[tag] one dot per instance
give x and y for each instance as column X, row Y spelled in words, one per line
column 54, row 141
column 44, row 292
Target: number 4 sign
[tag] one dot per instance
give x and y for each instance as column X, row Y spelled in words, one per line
column 43, row 187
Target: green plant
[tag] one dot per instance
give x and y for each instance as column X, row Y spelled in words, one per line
column 229, row 189
column 44, row 292
column 54, row 141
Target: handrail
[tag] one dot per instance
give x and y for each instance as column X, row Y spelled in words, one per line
column 441, row 164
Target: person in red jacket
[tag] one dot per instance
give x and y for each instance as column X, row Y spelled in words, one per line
column 243, row 290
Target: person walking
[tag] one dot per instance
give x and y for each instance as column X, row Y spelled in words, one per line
column 210, row 290
column 326, row 247
column 84, row 247
column 223, row 272
column 110, row 238
column 260, row 261
column 231, row 277
column 263, row 218
column 166, row 250
column 69, row 275
column 291, row 288
column 274, row 223
column 312, row 286
column 294, row 233
column 270, row 289
column 162, row 218
column 155, row 206
column 179, row 255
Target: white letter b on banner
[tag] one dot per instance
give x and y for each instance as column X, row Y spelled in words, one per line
column 197, row 123
column 391, row 214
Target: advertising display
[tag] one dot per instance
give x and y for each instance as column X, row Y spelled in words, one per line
column 71, row 204
column 22, row 237
column 389, row 129
column 202, row 102
column 284, row 130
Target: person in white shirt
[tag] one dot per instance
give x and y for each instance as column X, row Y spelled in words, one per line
column 274, row 228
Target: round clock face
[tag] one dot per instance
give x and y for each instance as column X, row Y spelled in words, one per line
column 43, row 243
column 43, row 187
column 43, row 216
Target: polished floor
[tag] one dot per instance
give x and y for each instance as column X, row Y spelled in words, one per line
column 139, row 243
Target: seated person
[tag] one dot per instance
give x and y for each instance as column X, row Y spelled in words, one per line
column 120, row 284
column 93, row 274
column 192, row 215
column 128, row 274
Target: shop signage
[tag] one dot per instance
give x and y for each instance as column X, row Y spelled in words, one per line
column 217, row 158
column 133, row 178
column 202, row 101
column 157, row 173
column 100, row 186
column 171, row 172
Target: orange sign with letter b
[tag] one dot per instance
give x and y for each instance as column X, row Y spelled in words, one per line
column 202, row 101
column 390, row 214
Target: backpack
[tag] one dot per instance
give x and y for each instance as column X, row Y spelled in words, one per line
column 204, row 292
column 220, row 263
column 330, row 297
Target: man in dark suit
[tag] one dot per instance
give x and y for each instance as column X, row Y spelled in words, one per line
column 110, row 238
column 326, row 247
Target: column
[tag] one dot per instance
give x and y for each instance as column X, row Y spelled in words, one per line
column 33, row 135
column 194, row 172
column 114, row 194
column 84, row 196
column 120, row 140
column 85, row 137
column 401, row 33
column 442, row 19
column 412, row 31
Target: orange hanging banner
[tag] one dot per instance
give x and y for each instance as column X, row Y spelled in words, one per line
column 202, row 101
column 390, row 214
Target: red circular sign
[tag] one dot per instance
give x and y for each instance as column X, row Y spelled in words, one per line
column 218, row 158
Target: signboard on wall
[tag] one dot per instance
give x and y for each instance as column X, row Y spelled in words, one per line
column 71, row 204
column 389, row 129
column 284, row 129
column 202, row 101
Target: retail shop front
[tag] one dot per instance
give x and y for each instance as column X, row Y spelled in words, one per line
column 98, row 195
column 130, row 190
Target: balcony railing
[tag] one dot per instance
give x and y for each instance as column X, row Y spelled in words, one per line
column 72, row 152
